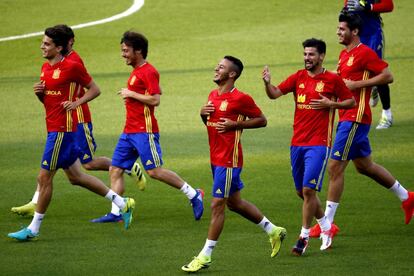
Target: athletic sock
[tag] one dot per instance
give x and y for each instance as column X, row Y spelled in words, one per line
column 115, row 209
column 36, row 221
column 35, row 197
column 208, row 248
column 331, row 210
column 189, row 191
column 324, row 223
column 387, row 113
column 266, row 225
column 304, row 233
column 399, row 191
column 115, row 198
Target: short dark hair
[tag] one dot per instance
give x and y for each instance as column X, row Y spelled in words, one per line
column 319, row 44
column 68, row 30
column 59, row 37
column 353, row 20
column 137, row 41
column 237, row 65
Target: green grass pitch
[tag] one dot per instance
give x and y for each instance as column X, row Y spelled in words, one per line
column 187, row 39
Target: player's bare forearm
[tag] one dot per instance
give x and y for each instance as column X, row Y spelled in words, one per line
column 92, row 92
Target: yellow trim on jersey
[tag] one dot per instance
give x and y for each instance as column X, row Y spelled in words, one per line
column 69, row 120
column 79, row 110
column 147, row 115
column 89, row 139
column 154, row 151
column 362, row 95
column 330, row 125
column 56, row 150
column 236, row 143
column 229, row 178
column 349, row 141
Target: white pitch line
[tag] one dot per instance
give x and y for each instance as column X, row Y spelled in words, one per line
column 134, row 8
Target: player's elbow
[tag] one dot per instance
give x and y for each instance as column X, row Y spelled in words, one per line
column 262, row 122
column 390, row 78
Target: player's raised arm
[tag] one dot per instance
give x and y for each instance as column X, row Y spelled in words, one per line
column 273, row 92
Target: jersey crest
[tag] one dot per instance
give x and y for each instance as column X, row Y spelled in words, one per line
column 223, row 105
column 319, row 87
column 56, row 74
column 131, row 82
column 350, row 61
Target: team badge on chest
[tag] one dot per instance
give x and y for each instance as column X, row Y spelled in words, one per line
column 350, row 61
column 56, row 74
column 223, row 105
column 131, row 82
column 319, row 87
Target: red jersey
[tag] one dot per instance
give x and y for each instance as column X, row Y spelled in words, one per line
column 225, row 148
column 60, row 85
column 139, row 116
column 313, row 127
column 360, row 63
column 82, row 111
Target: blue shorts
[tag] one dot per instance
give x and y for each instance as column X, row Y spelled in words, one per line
column 60, row 151
column 226, row 181
column 133, row 145
column 351, row 141
column 308, row 166
column 86, row 142
column 375, row 41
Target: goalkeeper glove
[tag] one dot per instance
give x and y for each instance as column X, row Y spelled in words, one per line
column 358, row 5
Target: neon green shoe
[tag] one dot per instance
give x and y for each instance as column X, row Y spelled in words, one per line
column 276, row 239
column 197, row 263
column 128, row 211
column 138, row 175
column 25, row 210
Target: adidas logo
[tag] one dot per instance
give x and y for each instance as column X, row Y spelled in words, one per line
column 86, row 156
column 218, row 192
column 149, row 162
column 337, row 154
column 44, row 163
column 313, row 181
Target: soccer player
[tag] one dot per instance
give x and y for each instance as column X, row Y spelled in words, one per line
column 361, row 69
column 227, row 112
column 84, row 139
column 56, row 90
column 317, row 93
column 373, row 36
column 140, row 137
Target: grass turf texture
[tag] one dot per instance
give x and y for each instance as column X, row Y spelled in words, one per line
column 187, row 39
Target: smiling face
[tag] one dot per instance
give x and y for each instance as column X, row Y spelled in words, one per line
column 223, row 71
column 344, row 33
column 312, row 59
column 49, row 48
column 131, row 57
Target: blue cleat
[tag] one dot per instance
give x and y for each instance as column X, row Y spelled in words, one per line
column 108, row 218
column 128, row 211
column 197, row 203
column 23, row 235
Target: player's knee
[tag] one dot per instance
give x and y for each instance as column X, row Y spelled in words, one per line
column 43, row 180
column 334, row 170
column 115, row 171
column 74, row 180
column 217, row 206
column 299, row 193
column 88, row 166
column 155, row 173
column 308, row 193
column 365, row 169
